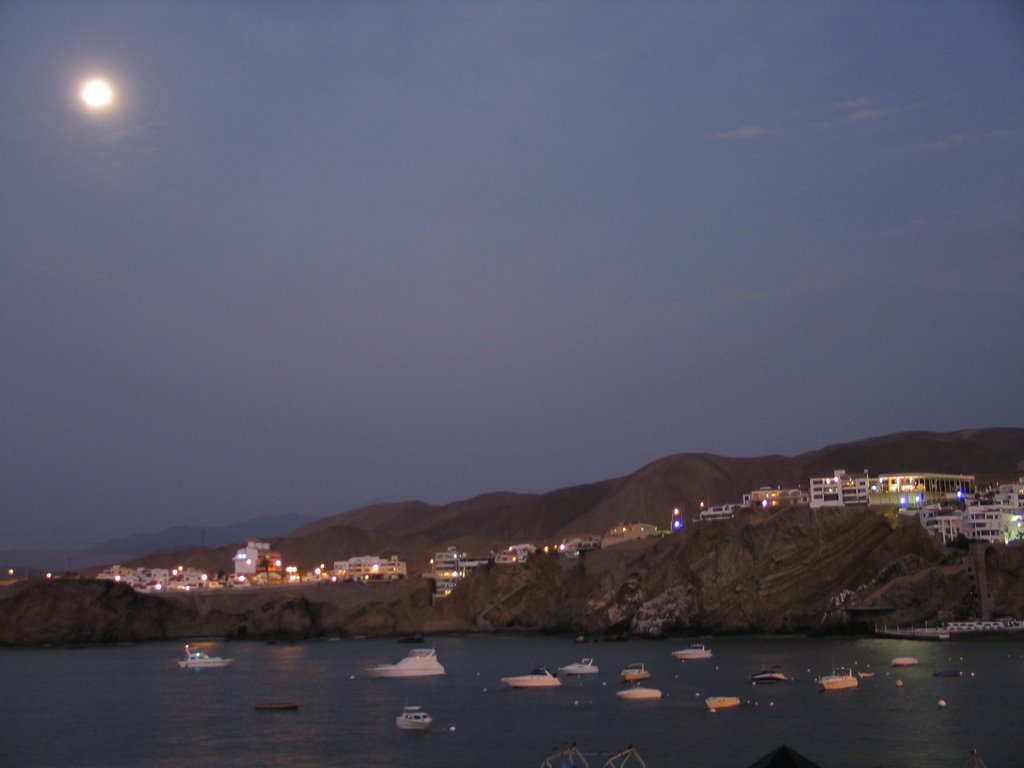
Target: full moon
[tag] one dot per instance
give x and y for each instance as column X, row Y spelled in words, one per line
column 97, row 94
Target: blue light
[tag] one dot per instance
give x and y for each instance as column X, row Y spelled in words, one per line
column 903, row 501
column 677, row 524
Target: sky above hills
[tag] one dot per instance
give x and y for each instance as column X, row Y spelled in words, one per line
column 316, row 255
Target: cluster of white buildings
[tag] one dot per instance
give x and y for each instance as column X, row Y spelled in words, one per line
column 947, row 505
column 159, row 579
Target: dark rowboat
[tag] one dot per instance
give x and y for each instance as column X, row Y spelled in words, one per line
column 278, row 706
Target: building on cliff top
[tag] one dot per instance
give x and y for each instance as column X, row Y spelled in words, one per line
column 370, row 568
column 776, row 498
column 840, row 490
column 916, row 490
column 257, row 557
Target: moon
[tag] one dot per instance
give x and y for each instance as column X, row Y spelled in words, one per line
column 97, row 94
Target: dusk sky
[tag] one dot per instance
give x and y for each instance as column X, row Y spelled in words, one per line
column 315, row 255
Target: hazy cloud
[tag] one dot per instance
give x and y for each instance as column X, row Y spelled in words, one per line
column 744, row 132
column 956, row 140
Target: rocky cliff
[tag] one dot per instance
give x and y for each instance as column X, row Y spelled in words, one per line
column 795, row 570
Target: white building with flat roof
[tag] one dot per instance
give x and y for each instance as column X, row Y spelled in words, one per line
column 256, row 557
column 370, row 568
column 840, row 490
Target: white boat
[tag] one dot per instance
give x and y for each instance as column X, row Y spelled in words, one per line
column 421, row 662
column 634, row 672
column 581, row 667
column 540, row 677
column 638, row 693
column 904, row 661
column 715, row 703
column 196, row 659
column 695, row 651
column 765, row 676
column 413, row 719
column 841, row 677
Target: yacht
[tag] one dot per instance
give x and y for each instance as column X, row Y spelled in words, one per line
column 413, row 718
column 196, row 659
column 841, row 677
column 540, row 677
column 421, row 662
column 634, row 672
column 581, row 667
column 694, row 652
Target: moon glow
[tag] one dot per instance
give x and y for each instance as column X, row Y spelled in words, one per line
column 97, row 94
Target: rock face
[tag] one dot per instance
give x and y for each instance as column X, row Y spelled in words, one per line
column 76, row 612
column 791, row 571
column 795, row 570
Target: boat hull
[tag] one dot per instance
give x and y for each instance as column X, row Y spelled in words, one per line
column 692, row 654
column 715, row 703
column 904, row 661
column 213, row 663
column 837, row 682
column 393, row 670
column 412, row 724
column 531, row 681
column 639, row 694
column 767, row 678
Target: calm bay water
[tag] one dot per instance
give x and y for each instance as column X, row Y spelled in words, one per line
column 127, row 706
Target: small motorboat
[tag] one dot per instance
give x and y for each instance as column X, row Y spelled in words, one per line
column 715, row 703
column 840, row 679
column 635, row 671
column 766, row 676
column 196, row 659
column 904, row 661
column 421, row 662
column 638, row 693
column 413, row 718
column 693, row 652
column 540, row 677
column 581, row 667
column 277, row 705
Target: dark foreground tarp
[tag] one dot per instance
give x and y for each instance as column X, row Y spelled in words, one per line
column 784, row 757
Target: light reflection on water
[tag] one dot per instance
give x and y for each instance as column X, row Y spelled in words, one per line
column 120, row 707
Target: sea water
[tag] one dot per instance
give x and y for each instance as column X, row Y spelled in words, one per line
column 128, row 706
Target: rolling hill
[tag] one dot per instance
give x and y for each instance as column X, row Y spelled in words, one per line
column 413, row 529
